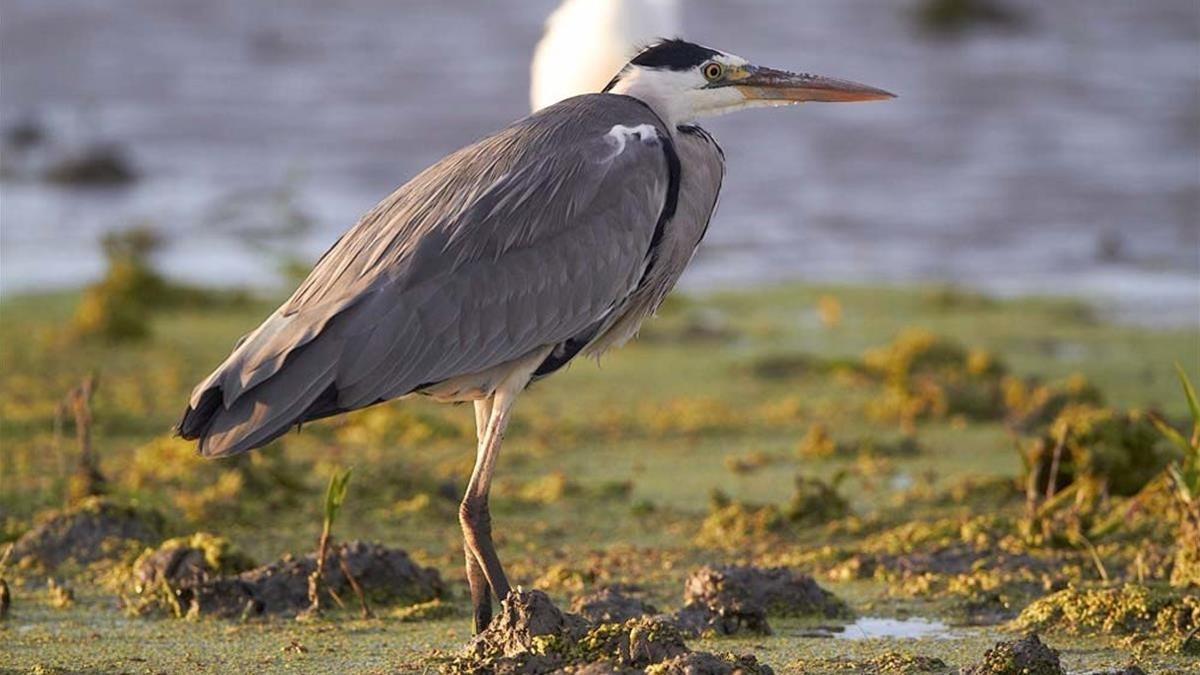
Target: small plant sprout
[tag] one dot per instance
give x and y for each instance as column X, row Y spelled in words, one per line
column 335, row 496
column 1185, row 479
column 1185, row 474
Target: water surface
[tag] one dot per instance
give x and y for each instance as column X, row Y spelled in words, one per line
column 1063, row 158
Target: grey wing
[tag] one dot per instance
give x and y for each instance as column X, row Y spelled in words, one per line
column 520, row 241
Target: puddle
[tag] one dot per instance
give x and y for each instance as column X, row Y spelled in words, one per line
column 876, row 627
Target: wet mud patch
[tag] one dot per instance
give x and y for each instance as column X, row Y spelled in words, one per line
column 185, row 578
column 531, row 635
column 95, row 530
column 727, row 600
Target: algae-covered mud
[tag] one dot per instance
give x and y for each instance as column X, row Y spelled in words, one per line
column 816, row 480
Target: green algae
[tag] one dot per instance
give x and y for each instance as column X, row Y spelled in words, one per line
column 426, row 611
column 819, row 443
column 815, row 502
column 597, row 434
column 887, row 663
column 1153, row 618
column 928, row 376
column 1122, row 450
column 202, row 490
column 732, row 523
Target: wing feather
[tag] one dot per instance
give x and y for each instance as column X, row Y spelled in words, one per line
column 519, row 241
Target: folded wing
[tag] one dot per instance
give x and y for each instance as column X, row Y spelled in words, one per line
column 519, row 241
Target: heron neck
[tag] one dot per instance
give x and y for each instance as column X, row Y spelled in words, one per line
column 663, row 94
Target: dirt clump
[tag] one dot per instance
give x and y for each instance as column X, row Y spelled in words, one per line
column 188, row 561
column 523, row 637
column 96, row 529
column 531, row 635
column 1027, row 656
column 726, row 600
column 187, row 572
column 610, row 605
column 187, row 580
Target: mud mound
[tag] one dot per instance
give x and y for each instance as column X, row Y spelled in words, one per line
column 196, row 583
column 1027, row 656
column 96, row 529
column 610, row 605
column 188, row 561
column 727, row 599
column 531, row 635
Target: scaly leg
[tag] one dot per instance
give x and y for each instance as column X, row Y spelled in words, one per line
column 473, row 512
column 481, row 591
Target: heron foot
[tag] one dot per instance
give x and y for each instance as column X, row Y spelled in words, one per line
column 485, row 575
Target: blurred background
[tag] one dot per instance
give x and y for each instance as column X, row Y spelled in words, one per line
column 860, row 380
column 1036, row 148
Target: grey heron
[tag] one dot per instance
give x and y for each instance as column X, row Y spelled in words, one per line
column 554, row 237
column 586, row 41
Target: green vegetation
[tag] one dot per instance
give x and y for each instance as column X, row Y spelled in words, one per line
column 881, row 440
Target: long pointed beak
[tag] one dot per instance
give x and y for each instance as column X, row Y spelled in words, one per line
column 767, row 84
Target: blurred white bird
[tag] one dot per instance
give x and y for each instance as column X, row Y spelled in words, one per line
column 586, row 42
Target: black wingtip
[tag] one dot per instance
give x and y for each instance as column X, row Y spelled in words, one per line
column 197, row 420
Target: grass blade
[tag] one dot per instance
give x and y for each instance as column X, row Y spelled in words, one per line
column 1190, row 392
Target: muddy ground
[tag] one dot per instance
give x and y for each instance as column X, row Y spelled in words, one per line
column 913, row 483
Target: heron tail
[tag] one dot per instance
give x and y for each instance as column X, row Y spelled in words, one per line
column 299, row 391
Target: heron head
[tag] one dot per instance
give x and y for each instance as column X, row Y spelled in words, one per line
column 683, row 81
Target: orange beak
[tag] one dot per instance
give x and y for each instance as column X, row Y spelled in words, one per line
column 767, row 84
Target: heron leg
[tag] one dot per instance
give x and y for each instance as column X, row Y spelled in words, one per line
column 481, row 591
column 473, row 513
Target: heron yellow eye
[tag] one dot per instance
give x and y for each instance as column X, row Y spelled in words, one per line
column 713, row 71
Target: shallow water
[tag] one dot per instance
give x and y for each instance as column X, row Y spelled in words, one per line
column 1064, row 158
column 876, row 627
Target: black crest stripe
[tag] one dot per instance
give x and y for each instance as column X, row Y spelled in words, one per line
column 674, row 55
